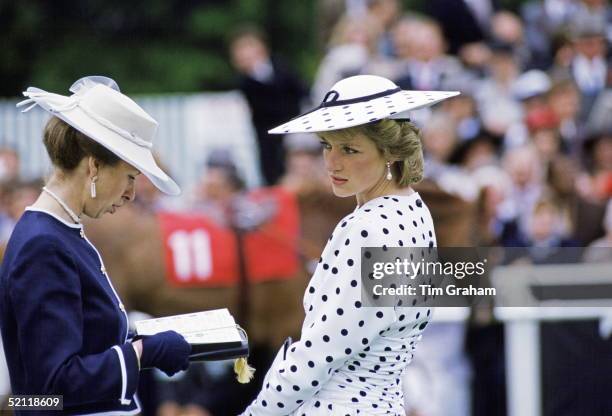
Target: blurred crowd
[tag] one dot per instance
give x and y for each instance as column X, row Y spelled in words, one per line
column 528, row 137
column 15, row 193
column 528, row 140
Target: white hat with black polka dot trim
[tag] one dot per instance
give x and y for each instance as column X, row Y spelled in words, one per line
column 361, row 99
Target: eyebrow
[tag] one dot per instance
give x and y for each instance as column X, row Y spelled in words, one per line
column 342, row 142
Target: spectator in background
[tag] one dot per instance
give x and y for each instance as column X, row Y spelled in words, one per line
column 22, row 195
column 149, row 198
column 273, row 91
column 544, row 236
column 543, row 127
column 305, row 171
column 564, row 101
column 523, row 166
column 563, row 53
column 497, row 105
column 352, row 47
column 464, row 113
column 439, row 144
column 597, row 184
column 218, row 188
column 581, row 217
column 475, row 153
column 18, row 195
column 494, row 185
column 507, row 28
column 9, row 181
column 328, row 13
column 530, row 90
column 385, row 13
column 439, row 141
column 544, row 227
column 422, row 61
column 9, row 165
column 589, row 68
column 465, row 24
column 594, row 13
column 544, row 22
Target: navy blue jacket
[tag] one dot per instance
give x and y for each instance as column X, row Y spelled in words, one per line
column 63, row 326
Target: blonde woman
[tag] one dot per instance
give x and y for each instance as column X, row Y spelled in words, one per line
column 350, row 357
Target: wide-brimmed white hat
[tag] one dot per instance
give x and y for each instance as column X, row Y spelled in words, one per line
column 100, row 111
column 361, row 99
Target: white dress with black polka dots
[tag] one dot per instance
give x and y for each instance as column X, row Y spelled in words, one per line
column 349, row 359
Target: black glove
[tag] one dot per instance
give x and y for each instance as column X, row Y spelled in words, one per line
column 167, row 351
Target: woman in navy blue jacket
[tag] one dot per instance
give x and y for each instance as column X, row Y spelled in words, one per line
column 64, row 329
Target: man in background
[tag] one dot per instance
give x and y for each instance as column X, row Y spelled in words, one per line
column 274, row 94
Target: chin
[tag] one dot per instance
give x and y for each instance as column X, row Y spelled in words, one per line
column 341, row 193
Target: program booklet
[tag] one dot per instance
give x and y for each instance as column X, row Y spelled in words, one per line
column 213, row 335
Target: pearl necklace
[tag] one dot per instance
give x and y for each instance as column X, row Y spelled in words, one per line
column 66, row 208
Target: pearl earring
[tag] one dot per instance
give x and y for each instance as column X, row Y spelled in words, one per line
column 389, row 175
column 93, row 186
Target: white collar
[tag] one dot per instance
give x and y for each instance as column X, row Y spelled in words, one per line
column 57, row 217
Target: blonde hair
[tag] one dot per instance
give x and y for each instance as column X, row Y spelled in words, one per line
column 342, row 31
column 396, row 140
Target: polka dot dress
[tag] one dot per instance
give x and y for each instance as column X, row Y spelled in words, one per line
column 350, row 358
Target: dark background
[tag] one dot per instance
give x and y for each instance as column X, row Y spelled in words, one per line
column 152, row 46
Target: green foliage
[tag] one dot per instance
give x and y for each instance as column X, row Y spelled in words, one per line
column 208, row 22
column 151, row 46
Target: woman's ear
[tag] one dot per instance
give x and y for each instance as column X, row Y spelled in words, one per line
column 93, row 165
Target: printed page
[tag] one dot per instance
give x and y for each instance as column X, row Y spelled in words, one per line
column 209, row 326
column 213, row 336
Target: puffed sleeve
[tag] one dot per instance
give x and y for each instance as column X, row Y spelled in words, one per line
column 45, row 294
column 336, row 328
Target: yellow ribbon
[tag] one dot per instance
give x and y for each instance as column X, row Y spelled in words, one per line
column 244, row 372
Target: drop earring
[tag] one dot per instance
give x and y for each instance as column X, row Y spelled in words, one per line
column 93, row 186
column 389, row 175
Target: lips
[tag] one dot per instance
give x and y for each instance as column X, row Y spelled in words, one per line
column 338, row 181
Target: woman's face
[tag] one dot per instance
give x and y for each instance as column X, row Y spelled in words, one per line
column 547, row 143
column 114, row 187
column 544, row 223
column 602, row 154
column 354, row 165
column 439, row 141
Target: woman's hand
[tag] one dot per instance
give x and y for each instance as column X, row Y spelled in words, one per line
column 167, row 351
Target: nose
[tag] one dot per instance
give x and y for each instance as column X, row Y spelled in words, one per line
column 130, row 192
column 332, row 160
